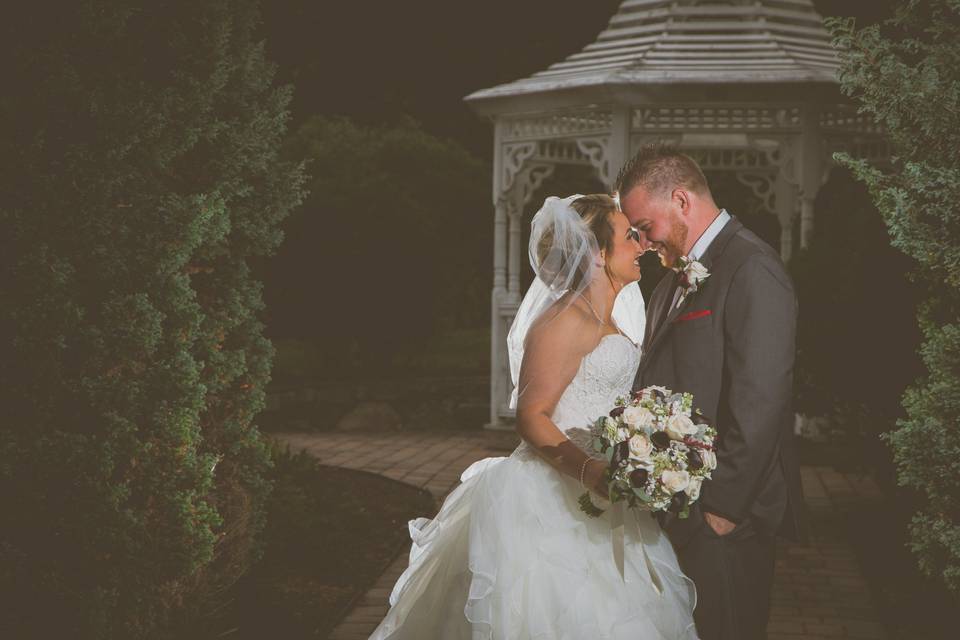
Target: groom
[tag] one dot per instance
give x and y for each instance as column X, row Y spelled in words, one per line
column 729, row 340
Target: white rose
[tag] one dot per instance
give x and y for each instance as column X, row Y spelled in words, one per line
column 680, row 426
column 709, row 459
column 639, row 417
column 640, row 447
column 696, row 273
column 675, row 481
column 697, row 270
column 694, row 489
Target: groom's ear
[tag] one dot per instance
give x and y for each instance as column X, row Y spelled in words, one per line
column 681, row 199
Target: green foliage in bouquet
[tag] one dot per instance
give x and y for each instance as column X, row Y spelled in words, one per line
column 141, row 176
column 658, row 450
column 905, row 74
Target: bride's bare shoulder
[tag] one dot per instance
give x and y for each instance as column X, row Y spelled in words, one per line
column 567, row 327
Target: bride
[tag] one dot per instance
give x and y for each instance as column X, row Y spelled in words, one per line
column 510, row 555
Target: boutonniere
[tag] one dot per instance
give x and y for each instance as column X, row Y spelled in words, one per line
column 692, row 275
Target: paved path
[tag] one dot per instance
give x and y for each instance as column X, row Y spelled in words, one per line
column 819, row 592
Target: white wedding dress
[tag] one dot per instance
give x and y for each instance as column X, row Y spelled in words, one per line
column 510, row 555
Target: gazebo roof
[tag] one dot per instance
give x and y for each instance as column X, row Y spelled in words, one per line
column 691, row 42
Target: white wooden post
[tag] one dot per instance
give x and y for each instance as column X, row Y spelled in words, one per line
column 498, row 337
column 810, row 164
column 618, row 150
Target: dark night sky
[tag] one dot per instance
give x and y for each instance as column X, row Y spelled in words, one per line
column 375, row 61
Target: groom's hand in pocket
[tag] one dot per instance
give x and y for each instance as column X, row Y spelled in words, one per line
column 720, row 525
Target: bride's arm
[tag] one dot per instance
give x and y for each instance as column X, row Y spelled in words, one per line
column 551, row 359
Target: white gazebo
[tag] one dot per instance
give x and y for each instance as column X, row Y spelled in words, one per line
column 747, row 87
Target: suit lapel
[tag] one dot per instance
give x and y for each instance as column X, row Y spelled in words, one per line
column 658, row 301
column 713, row 252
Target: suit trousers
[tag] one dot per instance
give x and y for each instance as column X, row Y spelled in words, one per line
column 734, row 576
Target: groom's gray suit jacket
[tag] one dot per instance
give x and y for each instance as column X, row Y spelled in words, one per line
column 732, row 345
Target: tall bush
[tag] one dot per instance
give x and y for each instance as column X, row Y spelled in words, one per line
column 905, row 73
column 140, row 176
column 391, row 247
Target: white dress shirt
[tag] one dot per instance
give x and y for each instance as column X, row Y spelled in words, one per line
column 702, row 244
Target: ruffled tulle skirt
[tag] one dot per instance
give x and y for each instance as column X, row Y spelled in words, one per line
column 511, row 556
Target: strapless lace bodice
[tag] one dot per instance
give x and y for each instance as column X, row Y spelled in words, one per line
column 605, row 373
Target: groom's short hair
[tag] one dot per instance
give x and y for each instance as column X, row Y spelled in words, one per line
column 661, row 167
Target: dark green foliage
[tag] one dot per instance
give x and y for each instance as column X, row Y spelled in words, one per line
column 905, row 73
column 392, row 245
column 140, row 170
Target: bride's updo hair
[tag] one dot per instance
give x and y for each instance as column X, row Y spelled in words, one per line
column 594, row 210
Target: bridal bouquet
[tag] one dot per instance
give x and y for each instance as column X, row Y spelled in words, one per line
column 659, row 450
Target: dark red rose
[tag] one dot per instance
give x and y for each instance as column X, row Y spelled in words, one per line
column 621, row 451
column 639, row 477
column 658, row 394
column 616, row 412
column 660, row 440
column 694, row 459
column 698, row 418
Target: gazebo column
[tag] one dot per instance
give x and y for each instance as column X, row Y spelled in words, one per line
column 498, row 334
column 500, row 247
column 618, row 151
column 527, row 182
column 806, row 220
column 515, row 236
column 785, row 201
column 810, row 165
column 515, row 180
column 506, row 161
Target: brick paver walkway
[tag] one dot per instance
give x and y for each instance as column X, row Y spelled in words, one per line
column 819, row 592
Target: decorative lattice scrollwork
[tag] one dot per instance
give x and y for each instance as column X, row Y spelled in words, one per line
column 595, row 149
column 557, row 125
column 514, row 157
column 761, row 184
column 534, row 180
column 841, row 118
column 734, row 159
column 709, row 118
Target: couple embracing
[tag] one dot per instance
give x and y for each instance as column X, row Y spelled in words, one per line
column 510, row 555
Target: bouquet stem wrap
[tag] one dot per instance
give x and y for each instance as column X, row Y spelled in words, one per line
column 618, row 539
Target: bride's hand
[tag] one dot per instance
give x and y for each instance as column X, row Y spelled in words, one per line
column 594, row 478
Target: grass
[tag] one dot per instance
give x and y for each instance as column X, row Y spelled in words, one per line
column 330, row 533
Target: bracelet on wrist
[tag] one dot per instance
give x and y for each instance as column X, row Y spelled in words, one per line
column 583, row 469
